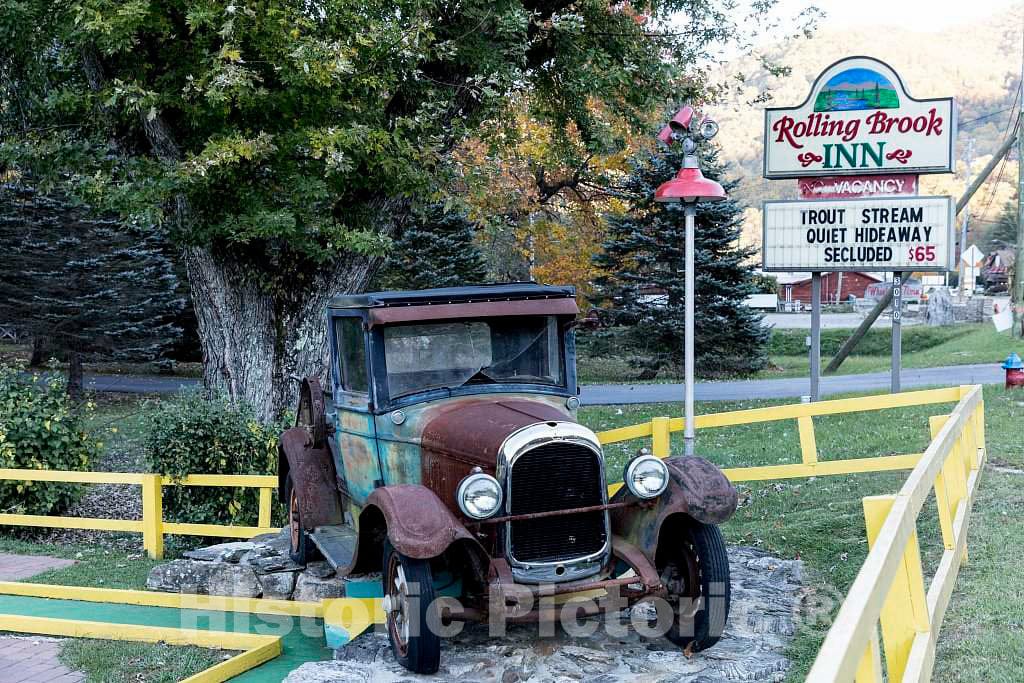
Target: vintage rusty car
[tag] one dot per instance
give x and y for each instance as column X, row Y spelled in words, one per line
column 447, row 456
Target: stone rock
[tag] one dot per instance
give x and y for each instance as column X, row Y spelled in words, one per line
column 181, row 576
column 320, row 570
column 312, row 588
column 234, row 581
column 940, row 308
column 223, row 552
column 273, row 564
column 766, row 601
column 277, row 586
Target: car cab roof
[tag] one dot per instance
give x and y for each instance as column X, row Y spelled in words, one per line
column 516, row 291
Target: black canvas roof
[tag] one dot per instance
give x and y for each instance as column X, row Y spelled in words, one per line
column 516, row 291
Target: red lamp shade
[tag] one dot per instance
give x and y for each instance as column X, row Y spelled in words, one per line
column 689, row 185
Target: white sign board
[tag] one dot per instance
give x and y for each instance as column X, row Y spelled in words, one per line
column 876, row 234
column 859, row 119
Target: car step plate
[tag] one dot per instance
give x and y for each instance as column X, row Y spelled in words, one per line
column 336, row 543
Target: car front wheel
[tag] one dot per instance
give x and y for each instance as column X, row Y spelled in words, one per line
column 695, row 570
column 300, row 547
column 408, row 598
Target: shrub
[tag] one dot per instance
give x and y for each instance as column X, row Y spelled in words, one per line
column 196, row 434
column 40, row 429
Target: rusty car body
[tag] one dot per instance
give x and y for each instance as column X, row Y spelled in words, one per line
column 446, row 453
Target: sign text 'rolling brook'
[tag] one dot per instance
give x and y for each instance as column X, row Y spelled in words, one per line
column 859, row 119
column 877, row 234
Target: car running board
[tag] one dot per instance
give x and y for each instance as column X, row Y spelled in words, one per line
column 337, row 544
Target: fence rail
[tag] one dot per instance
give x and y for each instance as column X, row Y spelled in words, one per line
column 659, row 429
column 889, row 593
column 152, row 526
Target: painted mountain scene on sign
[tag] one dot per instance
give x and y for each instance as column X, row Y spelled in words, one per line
column 857, row 89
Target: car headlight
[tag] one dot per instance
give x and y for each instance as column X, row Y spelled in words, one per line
column 479, row 495
column 646, row 476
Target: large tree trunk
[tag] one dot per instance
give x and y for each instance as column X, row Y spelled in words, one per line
column 254, row 342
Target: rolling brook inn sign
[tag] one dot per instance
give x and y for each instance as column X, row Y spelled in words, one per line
column 857, row 120
column 856, row 146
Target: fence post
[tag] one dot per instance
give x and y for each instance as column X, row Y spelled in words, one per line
column 266, row 496
column 947, row 492
column 979, row 432
column 905, row 610
column 870, row 668
column 660, row 435
column 153, row 516
column 808, row 444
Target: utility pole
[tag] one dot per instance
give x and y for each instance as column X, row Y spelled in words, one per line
column 960, row 265
column 1017, row 299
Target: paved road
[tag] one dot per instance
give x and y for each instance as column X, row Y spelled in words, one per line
column 607, row 394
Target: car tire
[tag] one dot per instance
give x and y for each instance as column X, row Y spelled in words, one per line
column 697, row 567
column 415, row 645
column 300, row 548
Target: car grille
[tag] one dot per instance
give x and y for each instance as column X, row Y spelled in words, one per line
column 556, row 476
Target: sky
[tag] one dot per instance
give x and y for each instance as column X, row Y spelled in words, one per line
column 925, row 15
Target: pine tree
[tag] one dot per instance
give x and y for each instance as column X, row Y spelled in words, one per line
column 438, row 249
column 89, row 288
column 643, row 285
column 1003, row 233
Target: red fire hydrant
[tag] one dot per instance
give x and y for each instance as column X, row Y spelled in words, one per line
column 1014, row 367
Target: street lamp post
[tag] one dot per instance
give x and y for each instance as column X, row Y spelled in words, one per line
column 689, row 187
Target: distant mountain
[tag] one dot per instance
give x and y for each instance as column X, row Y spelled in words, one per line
column 977, row 63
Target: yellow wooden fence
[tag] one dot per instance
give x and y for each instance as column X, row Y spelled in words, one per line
column 152, row 525
column 889, row 590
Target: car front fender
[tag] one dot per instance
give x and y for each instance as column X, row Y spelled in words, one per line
column 419, row 525
column 696, row 488
column 312, row 472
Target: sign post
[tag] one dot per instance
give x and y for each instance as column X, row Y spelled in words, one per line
column 815, row 335
column 857, row 145
column 971, row 258
column 897, row 332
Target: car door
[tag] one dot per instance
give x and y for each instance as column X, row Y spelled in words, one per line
column 356, row 458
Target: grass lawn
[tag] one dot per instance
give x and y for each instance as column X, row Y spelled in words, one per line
column 979, row 344
column 20, row 353
column 821, row 521
column 923, row 347
column 111, row 661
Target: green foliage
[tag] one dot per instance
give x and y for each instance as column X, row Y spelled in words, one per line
column 195, row 434
column 643, row 285
column 875, row 343
column 438, row 249
column 1003, row 233
column 282, row 129
column 40, row 429
column 85, row 285
column 764, row 283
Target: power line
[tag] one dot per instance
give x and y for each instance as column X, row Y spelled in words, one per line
column 994, row 187
column 964, row 124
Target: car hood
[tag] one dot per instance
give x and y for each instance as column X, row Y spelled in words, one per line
column 472, row 430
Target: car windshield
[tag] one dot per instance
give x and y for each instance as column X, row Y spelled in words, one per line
column 518, row 350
